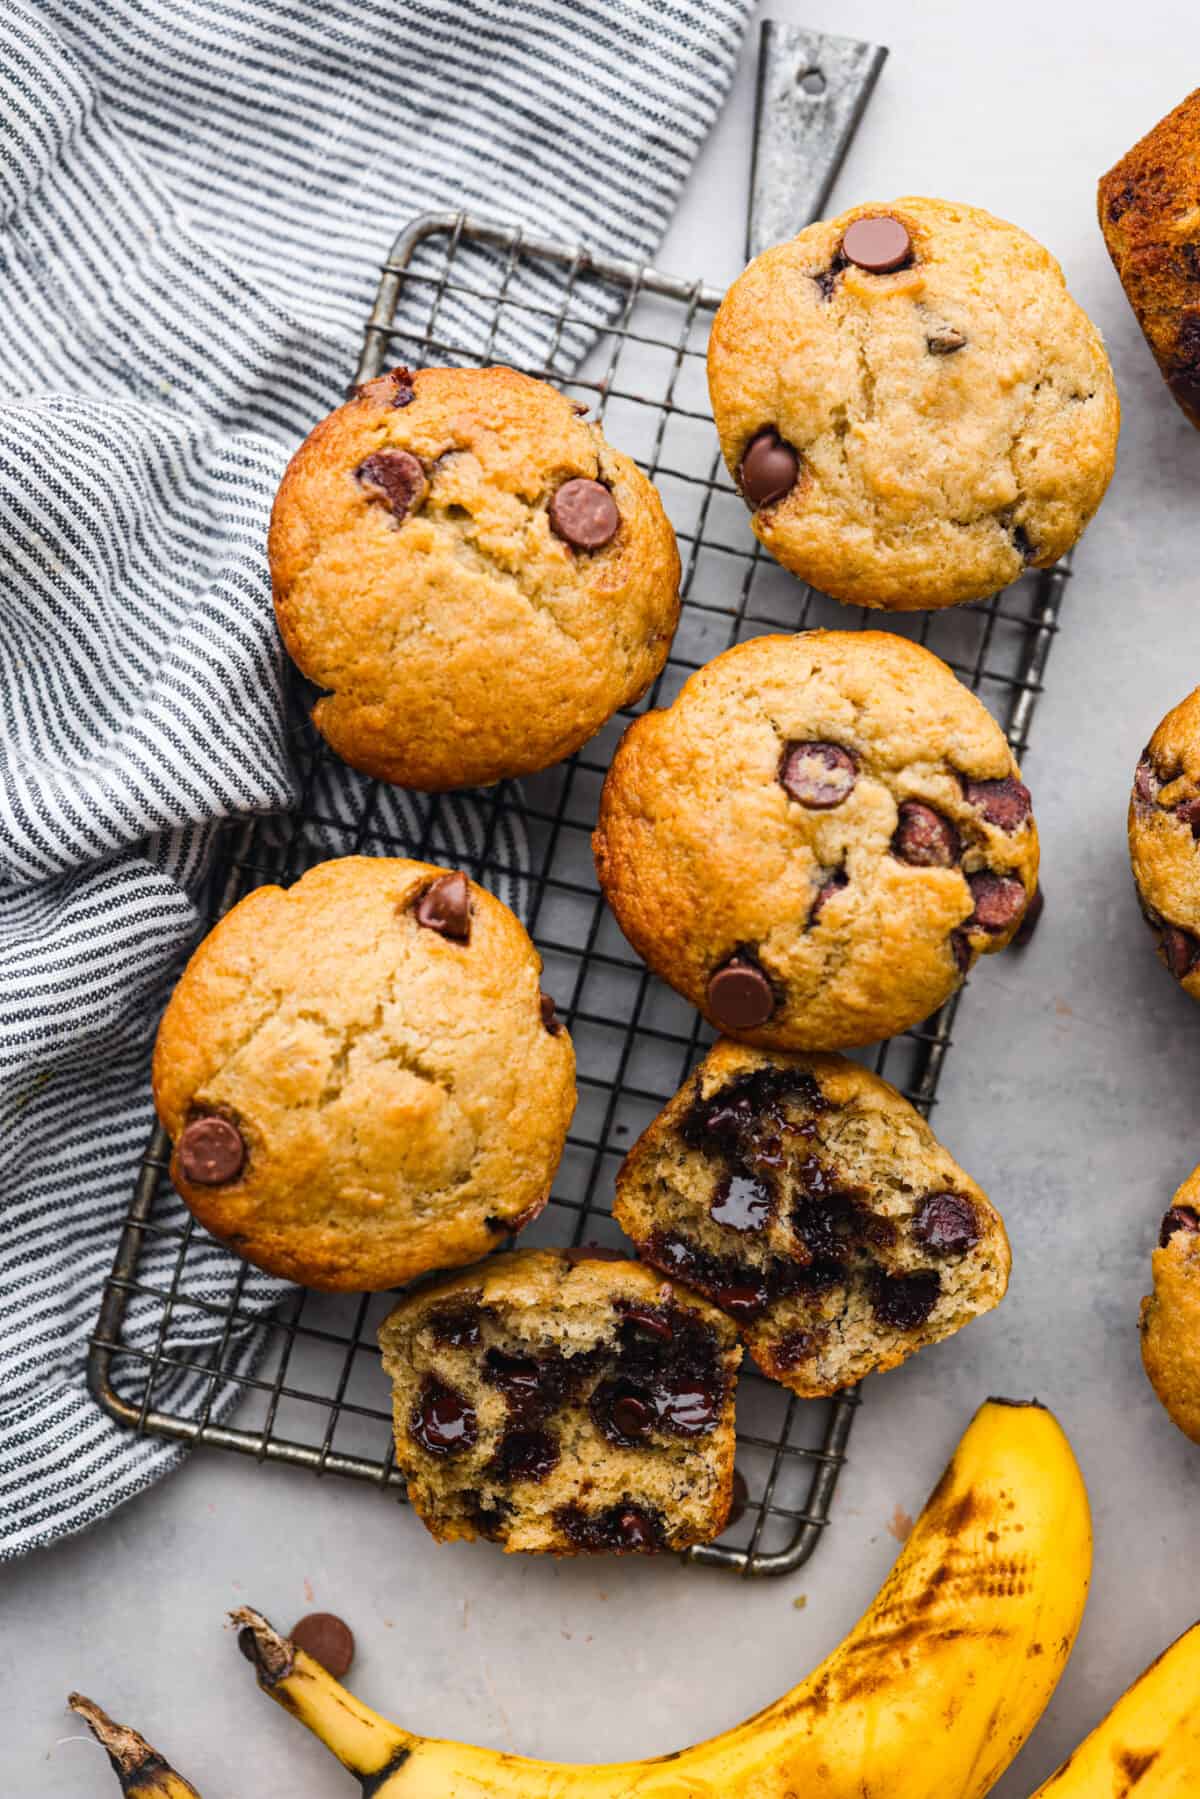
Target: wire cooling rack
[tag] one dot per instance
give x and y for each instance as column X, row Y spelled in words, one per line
column 311, row 1391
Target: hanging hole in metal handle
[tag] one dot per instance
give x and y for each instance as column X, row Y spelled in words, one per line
column 811, row 81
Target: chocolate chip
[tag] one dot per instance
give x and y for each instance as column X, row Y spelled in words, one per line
column 877, row 245
column 211, row 1152
column 946, row 1221
column 584, row 514
column 635, row 1530
column 1006, row 804
column 741, row 1203
column 1188, row 812
column 742, row 1300
column 945, row 341
column 1179, row 1218
column 632, row 1416
column 904, row 1300
column 595, row 1252
column 960, row 949
column 1180, row 950
column 1023, row 544
column 689, row 1406
column 525, row 1455
column 924, row 838
column 1146, row 781
column 768, row 469
column 739, row 1500
column 999, row 901
column 327, row 1640
column 445, row 907
column 827, row 279
column 1029, row 923
column 647, row 1324
column 825, row 892
column 443, row 1420
column 739, row 995
column 550, row 1018
column 818, row 775
column 454, row 1327
column 394, row 479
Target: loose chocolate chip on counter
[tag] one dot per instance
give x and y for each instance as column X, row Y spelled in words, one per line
column 946, row 1221
column 211, row 1152
column 741, row 1203
column 877, row 245
column 445, row 907
column 904, row 1300
column 327, row 1639
column 443, row 1420
column 584, row 514
column 1179, row 1218
column 924, row 838
column 550, row 1018
column 740, row 1499
column 818, row 775
column 1180, row 950
column 739, row 994
column 394, row 479
column 999, row 901
column 768, row 469
column 1029, row 923
column 945, row 341
column 1188, row 812
column 1006, row 804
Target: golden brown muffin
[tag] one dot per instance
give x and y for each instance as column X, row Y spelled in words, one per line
column 912, row 404
column 1164, row 828
column 1149, row 207
column 806, row 1197
column 473, row 574
column 817, row 839
column 564, row 1401
column 1170, row 1316
column 361, row 1078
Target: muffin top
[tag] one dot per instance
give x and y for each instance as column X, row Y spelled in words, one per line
column 817, row 839
column 912, row 404
column 359, row 1076
column 474, row 576
column 1164, row 839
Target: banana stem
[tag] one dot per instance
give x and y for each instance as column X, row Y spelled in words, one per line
column 365, row 1743
column 138, row 1767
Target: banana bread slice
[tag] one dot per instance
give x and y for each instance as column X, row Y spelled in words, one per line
column 1149, row 207
column 564, row 1401
column 808, row 1199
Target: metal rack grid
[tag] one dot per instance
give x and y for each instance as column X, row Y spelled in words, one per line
column 305, row 1370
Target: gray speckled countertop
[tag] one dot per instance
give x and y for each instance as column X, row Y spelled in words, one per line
column 1071, row 1097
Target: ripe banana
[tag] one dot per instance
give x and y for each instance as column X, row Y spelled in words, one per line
column 142, row 1772
column 930, row 1696
column 1149, row 1744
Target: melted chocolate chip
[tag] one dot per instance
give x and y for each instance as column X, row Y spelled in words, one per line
column 822, row 1224
column 623, row 1414
column 550, row 1018
column 1180, row 950
column 1188, row 813
column 818, row 775
column 825, row 892
column 328, row 1640
column 624, row 1529
column 443, row 1419
column 924, row 838
column 878, row 244
column 1029, row 923
column 445, row 907
column 945, row 341
column 946, row 1222
column 643, row 1322
column 394, row 480
column 522, row 1380
column 1006, row 804
column 596, row 1252
column 739, row 994
column 584, row 514
column 1179, row 1218
column 210, row 1152
column 735, row 1286
column 904, row 1300
column 768, row 469
column 454, row 1327
column 741, row 1203
column 524, row 1455
column 999, row 901
column 739, row 1499
column 794, row 1346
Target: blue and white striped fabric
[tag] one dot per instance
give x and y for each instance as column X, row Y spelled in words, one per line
column 194, row 199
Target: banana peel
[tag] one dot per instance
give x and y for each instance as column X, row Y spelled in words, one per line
column 141, row 1770
column 929, row 1696
column 1149, row 1744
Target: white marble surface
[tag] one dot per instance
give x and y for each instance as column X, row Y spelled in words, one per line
column 1071, row 1096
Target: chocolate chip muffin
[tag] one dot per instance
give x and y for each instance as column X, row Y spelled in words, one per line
column 912, row 405
column 1149, row 207
column 564, row 1401
column 815, row 842
column 474, row 576
column 807, row 1198
column 1164, row 839
column 1170, row 1316
column 361, row 1078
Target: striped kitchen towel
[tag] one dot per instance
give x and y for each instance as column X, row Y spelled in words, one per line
column 194, row 199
